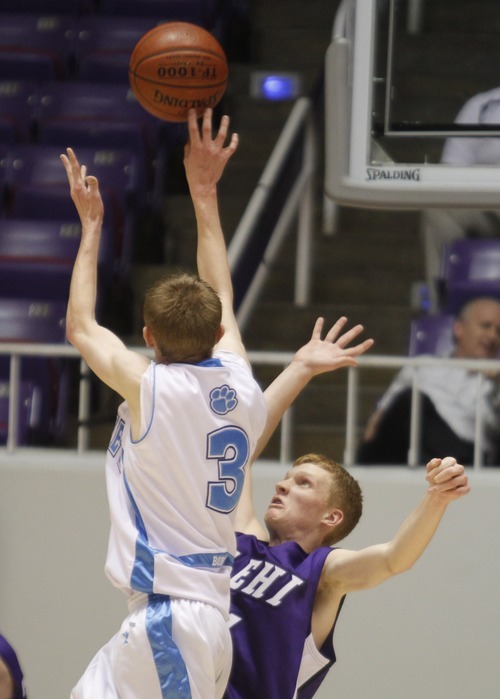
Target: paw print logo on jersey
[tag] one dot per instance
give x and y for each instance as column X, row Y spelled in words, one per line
column 223, row 399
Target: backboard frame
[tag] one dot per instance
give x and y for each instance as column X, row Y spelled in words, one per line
column 352, row 175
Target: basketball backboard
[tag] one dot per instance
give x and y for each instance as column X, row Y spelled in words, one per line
column 393, row 91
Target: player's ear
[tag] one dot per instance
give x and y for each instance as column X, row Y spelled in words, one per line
column 333, row 517
column 148, row 336
column 220, row 333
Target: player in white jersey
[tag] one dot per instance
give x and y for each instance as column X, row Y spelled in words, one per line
column 176, row 461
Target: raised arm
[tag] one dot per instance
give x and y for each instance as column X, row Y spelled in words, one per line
column 317, row 356
column 205, row 158
column 104, row 352
column 346, row 571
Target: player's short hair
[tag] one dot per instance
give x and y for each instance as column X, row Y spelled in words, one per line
column 184, row 314
column 345, row 494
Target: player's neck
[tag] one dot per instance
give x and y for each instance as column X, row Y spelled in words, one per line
column 306, row 542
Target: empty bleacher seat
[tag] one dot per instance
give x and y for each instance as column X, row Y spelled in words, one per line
column 43, row 379
column 29, row 320
column 104, row 45
column 432, row 334
column 36, row 47
column 17, row 110
column 27, row 65
column 37, row 258
column 4, row 150
column 104, row 116
column 470, row 267
column 37, row 187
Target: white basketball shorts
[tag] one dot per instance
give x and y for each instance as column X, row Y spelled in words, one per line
column 167, row 648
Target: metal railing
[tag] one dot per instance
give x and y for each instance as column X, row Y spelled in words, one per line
column 292, row 166
column 388, row 362
column 258, row 359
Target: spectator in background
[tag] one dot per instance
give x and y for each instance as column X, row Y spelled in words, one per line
column 441, row 226
column 448, row 401
column 11, row 675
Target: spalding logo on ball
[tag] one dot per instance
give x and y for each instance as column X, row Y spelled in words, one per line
column 175, row 67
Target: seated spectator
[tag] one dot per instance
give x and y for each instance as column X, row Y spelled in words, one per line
column 441, row 226
column 448, row 399
column 11, row 675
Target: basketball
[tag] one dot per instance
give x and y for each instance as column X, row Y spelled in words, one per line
column 175, row 67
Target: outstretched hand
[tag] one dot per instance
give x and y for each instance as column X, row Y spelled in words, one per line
column 332, row 352
column 205, row 157
column 84, row 190
column 447, row 478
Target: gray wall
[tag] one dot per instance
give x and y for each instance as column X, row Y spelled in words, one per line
column 432, row 632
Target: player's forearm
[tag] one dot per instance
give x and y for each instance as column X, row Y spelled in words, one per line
column 212, row 261
column 83, row 288
column 415, row 534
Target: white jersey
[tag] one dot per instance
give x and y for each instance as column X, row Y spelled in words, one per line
column 173, row 491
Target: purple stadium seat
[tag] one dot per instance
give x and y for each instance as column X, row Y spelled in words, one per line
column 27, row 65
column 38, row 188
column 35, row 47
column 104, row 67
column 37, row 258
column 45, row 378
column 17, row 110
column 104, row 44
column 7, row 131
column 106, row 116
column 4, row 151
column 28, row 320
column 470, row 267
column 432, row 334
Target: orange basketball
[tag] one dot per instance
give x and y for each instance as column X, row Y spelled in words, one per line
column 175, row 67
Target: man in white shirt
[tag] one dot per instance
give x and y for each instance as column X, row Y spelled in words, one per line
column 442, row 226
column 449, row 399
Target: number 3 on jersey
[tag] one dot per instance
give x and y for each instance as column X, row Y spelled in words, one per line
column 229, row 446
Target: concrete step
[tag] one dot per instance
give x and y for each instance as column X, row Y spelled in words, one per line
column 280, row 326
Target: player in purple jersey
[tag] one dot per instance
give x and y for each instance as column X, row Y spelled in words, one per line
column 288, row 583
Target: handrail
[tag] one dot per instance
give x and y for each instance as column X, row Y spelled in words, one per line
column 260, row 358
column 299, row 201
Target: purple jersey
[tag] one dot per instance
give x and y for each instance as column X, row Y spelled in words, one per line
column 272, row 597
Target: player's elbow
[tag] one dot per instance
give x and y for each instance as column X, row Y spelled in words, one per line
column 398, row 568
column 397, row 564
column 71, row 329
column 76, row 330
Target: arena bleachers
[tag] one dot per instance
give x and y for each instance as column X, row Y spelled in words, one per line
column 64, row 82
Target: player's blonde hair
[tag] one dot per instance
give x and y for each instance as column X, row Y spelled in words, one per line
column 345, row 494
column 184, row 315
